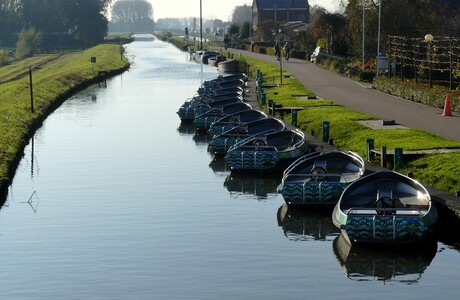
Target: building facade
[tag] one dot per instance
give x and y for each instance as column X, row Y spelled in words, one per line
column 280, row 11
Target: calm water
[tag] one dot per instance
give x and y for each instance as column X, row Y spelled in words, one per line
column 117, row 200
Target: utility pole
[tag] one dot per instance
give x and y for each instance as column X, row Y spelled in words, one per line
column 31, row 90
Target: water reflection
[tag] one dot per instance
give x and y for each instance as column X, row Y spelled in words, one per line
column 403, row 265
column 218, row 165
column 253, row 184
column 202, row 138
column 306, row 225
column 186, row 128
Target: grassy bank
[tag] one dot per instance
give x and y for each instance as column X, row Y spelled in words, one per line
column 55, row 78
column 437, row 170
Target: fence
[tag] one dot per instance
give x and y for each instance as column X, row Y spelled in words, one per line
column 424, row 60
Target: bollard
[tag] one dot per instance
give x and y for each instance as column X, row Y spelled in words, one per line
column 331, row 141
column 383, row 157
column 270, row 106
column 263, row 100
column 325, row 131
column 369, row 147
column 312, row 132
column 294, row 117
column 398, row 158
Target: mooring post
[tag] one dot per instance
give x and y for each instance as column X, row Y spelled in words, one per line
column 294, row 117
column 325, row 128
column 383, row 157
column 369, row 148
column 398, row 158
column 31, row 90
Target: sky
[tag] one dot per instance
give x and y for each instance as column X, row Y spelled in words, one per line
column 212, row 9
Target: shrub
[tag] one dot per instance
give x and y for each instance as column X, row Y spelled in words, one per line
column 4, row 57
column 28, row 42
column 417, row 92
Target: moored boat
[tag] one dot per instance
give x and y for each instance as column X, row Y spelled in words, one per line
column 220, row 85
column 319, row 178
column 221, row 143
column 223, row 78
column 271, row 152
column 188, row 113
column 385, row 207
column 234, row 120
column 204, row 121
column 229, row 66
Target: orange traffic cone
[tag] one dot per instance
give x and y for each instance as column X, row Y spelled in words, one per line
column 447, row 111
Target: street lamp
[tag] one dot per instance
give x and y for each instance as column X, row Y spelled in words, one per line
column 378, row 39
column 364, row 30
column 429, row 40
column 201, row 25
column 281, row 57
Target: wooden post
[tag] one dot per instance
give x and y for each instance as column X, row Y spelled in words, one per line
column 31, row 91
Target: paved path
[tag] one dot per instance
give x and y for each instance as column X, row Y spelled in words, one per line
column 359, row 97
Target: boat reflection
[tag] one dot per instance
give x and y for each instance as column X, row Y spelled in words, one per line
column 255, row 184
column 218, row 165
column 186, row 128
column 397, row 265
column 306, row 225
column 202, row 138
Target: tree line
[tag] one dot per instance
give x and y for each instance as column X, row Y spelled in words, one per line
column 132, row 16
column 57, row 23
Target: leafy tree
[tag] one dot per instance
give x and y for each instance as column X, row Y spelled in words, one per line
column 234, row 28
column 169, row 24
column 331, row 27
column 28, row 42
column 264, row 30
column 242, row 14
column 82, row 21
column 410, row 18
column 132, row 16
column 245, row 30
column 10, row 11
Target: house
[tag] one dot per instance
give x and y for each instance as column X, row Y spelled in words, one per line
column 280, row 11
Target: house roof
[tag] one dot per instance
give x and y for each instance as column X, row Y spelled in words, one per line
column 281, row 4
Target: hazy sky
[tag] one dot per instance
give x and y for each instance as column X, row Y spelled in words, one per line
column 212, row 9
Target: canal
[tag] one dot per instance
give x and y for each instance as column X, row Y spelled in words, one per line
column 116, row 199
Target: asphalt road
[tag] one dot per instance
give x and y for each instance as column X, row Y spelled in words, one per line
column 361, row 98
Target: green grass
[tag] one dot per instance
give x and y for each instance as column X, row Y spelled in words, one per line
column 439, row 171
column 53, row 77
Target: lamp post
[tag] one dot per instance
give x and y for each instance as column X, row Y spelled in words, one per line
column 281, row 57
column 201, row 25
column 429, row 40
column 364, row 29
column 378, row 38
